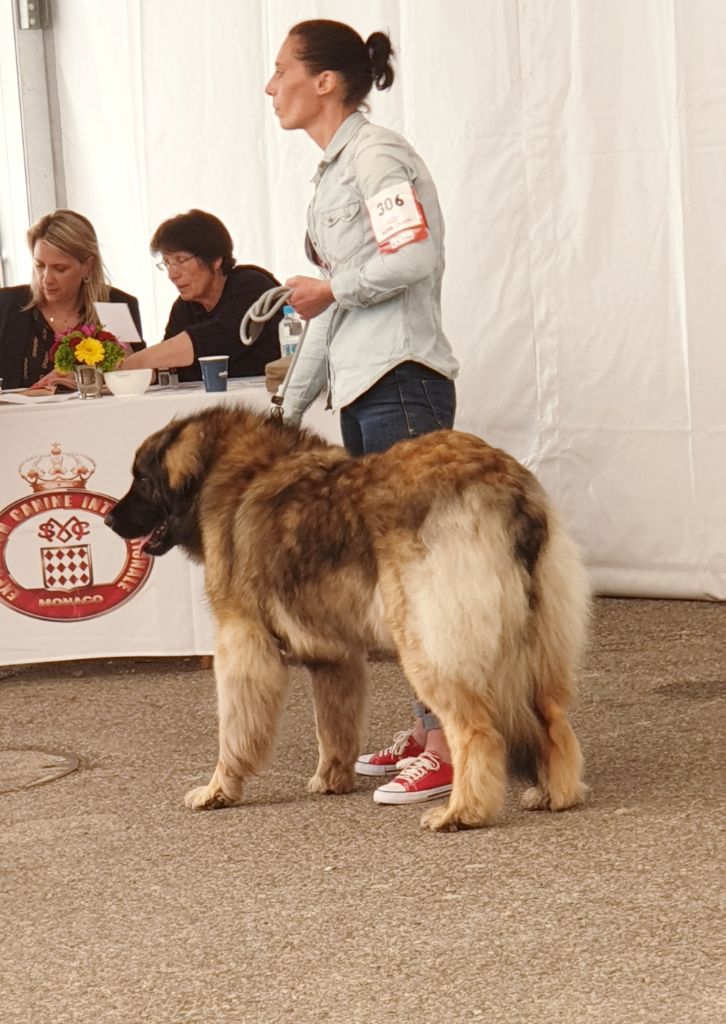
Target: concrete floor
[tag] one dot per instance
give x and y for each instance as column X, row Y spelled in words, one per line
column 119, row 906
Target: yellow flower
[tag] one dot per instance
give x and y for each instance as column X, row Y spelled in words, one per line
column 89, row 351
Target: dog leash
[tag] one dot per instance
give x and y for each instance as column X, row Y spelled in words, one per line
column 269, row 303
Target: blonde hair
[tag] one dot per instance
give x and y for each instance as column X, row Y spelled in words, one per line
column 74, row 235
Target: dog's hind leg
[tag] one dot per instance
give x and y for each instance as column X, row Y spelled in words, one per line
column 560, row 782
column 339, row 696
column 478, row 756
column 251, row 685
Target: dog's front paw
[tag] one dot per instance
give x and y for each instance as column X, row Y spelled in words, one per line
column 208, row 798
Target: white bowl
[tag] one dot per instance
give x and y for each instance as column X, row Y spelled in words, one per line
column 128, row 382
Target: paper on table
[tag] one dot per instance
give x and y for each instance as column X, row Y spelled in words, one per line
column 116, row 318
column 28, row 398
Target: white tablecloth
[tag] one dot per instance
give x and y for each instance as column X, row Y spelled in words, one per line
column 69, row 587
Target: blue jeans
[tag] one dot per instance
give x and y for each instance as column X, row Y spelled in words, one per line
column 407, row 401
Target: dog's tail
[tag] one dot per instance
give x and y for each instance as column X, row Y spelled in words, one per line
column 557, row 644
column 561, row 617
column 523, row 754
column 545, row 665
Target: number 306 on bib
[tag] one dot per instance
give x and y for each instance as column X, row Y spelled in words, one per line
column 397, row 217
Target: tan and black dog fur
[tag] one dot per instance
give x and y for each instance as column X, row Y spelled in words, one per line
column 442, row 549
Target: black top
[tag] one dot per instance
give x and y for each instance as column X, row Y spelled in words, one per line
column 26, row 337
column 216, row 332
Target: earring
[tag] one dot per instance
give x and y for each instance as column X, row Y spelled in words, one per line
column 87, row 279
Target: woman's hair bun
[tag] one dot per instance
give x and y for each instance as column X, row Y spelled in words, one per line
column 381, row 52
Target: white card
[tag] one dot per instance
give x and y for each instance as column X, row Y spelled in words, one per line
column 396, row 217
column 116, row 318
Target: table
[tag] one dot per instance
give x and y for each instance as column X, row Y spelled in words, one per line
column 69, row 587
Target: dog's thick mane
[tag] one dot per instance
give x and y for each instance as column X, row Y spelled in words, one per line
column 210, row 458
column 213, row 438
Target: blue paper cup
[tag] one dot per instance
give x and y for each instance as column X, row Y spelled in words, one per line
column 214, row 372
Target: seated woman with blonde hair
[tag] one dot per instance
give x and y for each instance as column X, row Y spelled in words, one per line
column 68, row 279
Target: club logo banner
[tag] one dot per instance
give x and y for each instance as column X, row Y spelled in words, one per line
column 58, row 560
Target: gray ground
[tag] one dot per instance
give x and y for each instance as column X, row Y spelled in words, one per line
column 119, row 906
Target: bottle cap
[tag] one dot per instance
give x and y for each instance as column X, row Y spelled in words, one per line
column 288, row 311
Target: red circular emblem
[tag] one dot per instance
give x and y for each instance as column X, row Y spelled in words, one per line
column 59, row 561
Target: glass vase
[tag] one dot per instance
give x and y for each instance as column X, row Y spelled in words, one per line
column 90, row 381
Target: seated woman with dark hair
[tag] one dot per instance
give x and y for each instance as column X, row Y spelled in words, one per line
column 214, row 295
column 68, row 279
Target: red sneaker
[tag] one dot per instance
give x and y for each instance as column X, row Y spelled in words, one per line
column 386, row 761
column 425, row 778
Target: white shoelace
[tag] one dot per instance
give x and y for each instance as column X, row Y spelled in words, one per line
column 398, row 746
column 420, row 766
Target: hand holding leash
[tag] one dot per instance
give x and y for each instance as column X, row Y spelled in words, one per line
column 310, row 296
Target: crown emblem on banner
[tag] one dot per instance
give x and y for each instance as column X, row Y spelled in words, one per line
column 57, row 470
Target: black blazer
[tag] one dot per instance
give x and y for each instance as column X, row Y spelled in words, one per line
column 26, row 337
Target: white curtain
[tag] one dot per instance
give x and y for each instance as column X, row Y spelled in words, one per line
column 579, row 148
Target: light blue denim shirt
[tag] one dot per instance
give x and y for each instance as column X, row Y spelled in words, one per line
column 387, row 307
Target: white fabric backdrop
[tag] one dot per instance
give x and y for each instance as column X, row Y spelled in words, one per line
column 579, row 149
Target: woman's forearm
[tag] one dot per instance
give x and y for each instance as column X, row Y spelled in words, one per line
column 383, row 276
column 176, row 351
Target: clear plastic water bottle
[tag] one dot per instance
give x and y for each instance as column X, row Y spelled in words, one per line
column 289, row 331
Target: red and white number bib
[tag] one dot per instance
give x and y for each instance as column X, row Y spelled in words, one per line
column 397, row 217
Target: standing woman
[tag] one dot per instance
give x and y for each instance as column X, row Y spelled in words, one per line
column 68, row 278
column 376, row 233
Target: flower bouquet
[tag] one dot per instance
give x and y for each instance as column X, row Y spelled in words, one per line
column 88, row 345
column 88, row 351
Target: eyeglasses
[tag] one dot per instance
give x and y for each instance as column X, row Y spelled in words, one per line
column 173, row 262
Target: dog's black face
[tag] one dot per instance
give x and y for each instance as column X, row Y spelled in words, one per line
column 160, row 505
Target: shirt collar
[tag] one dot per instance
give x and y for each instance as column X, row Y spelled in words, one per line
column 339, row 141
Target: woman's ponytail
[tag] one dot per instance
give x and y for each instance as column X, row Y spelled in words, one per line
column 381, row 52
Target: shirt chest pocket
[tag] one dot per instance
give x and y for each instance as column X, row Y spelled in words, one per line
column 342, row 231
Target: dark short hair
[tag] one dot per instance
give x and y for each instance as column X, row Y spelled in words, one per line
column 199, row 233
column 324, row 45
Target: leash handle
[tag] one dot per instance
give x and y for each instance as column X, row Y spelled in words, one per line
column 262, row 310
column 268, row 304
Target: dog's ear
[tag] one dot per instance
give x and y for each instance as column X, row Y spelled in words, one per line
column 183, row 458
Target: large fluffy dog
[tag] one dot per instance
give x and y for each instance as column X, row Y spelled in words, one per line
column 444, row 549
